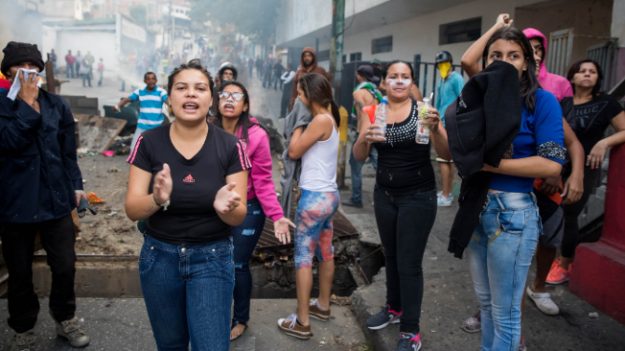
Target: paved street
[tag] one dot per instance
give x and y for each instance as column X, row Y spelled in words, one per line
column 121, row 324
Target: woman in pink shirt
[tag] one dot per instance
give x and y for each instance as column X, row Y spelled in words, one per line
column 262, row 201
column 553, row 83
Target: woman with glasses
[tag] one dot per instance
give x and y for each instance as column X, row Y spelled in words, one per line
column 233, row 116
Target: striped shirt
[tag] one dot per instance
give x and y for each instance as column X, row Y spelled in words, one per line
column 150, row 106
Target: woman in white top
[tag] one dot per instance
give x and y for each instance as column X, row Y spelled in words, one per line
column 317, row 146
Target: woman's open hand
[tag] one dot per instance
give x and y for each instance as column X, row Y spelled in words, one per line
column 281, row 230
column 226, row 199
column 163, row 185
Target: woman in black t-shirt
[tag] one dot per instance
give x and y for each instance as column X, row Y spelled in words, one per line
column 589, row 112
column 404, row 199
column 188, row 180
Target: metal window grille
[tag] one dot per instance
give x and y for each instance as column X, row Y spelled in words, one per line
column 605, row 55
column 560, row 48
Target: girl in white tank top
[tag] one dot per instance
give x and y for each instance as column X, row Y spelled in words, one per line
column 317, row 146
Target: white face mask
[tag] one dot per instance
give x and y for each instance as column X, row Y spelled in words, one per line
column 396, row 82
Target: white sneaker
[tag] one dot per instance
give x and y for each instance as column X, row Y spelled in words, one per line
column 444, row 201
column 23, row 341
column 543, row 302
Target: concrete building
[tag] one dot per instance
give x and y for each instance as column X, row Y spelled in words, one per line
column 401, row 29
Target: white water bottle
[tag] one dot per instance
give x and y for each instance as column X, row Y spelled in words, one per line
column 380, row 116
column 423, row 132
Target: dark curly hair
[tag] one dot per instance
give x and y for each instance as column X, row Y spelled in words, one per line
column 318, row 89
column 529, row 82
column 193, row 64
column 244, row 119
column 575, row 67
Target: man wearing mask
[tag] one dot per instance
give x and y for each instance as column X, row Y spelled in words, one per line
column 448, row 90
column 41, row 185
column 308, row 64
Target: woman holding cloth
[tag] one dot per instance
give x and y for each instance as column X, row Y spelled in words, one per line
column 501, row 249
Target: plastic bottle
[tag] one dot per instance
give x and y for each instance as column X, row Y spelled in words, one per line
column 423, row 132
column 380, row 115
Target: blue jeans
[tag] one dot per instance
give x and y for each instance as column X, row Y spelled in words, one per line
column 356, row 173
column 187, row 290
column 500, row 254
column 245, row 238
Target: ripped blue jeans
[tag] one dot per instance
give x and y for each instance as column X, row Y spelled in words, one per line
column 500, row 254
column 245, row 238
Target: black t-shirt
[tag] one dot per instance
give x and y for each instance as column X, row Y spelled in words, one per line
column 590, row 120
column 190, row 218
column 404, row 165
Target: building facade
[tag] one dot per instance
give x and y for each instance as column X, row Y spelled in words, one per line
column 400, row 29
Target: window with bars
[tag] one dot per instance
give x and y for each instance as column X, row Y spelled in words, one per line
column 384, row 44
column 460, row 31
column 560, row 48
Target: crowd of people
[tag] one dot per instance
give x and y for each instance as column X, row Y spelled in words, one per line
column 527, row 144
column 81, row 66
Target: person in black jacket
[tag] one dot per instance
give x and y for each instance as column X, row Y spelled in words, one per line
column 40, row 185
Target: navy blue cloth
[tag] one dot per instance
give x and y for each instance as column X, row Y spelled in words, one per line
column 541, row 133
column 38, row 167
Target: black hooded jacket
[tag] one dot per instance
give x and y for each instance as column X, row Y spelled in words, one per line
column 481, row 128
column 38, row 167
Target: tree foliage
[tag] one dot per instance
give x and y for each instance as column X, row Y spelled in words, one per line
column 254, row 18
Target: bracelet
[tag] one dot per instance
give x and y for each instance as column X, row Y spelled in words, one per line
column 164, row 205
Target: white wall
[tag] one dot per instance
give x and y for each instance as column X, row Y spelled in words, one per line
column 419, row 35
column 301, row 17
column 101, row 44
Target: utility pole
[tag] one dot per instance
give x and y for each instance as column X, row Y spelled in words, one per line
column 336, row 68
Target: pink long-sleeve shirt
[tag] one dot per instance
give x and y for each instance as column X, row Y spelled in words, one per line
column 553, row 83
column 260, row 180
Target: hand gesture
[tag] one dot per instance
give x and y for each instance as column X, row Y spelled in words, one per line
column 80, row 194
column 163, row 185
column 504, row 20
column 281, row 230
column 375, row 134
column 29, row 91
column 226, row 199
column 573, row 189
column 596, row 155
column 552, row 185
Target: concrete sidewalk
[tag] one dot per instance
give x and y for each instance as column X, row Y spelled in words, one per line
column 449, row 298
column 122, row 325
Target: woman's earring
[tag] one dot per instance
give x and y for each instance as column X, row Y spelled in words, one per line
column 171, row 111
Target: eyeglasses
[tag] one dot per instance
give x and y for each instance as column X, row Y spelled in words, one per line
column 236, row 96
